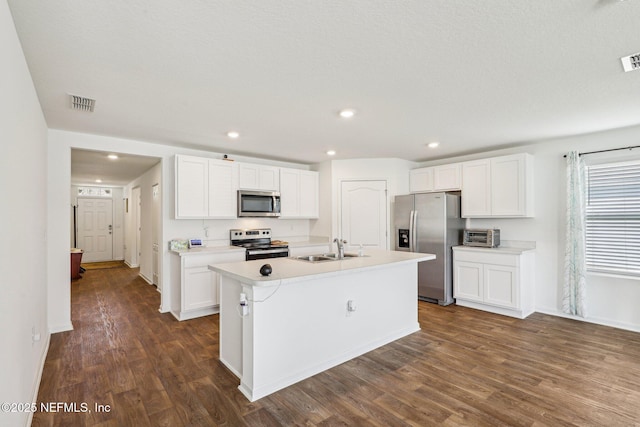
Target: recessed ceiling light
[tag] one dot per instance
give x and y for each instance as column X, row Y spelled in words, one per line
column 433, row 144
column 347, row 113
column 113, row 156
column 233, row 134
column 331, row 153
column 98, row 181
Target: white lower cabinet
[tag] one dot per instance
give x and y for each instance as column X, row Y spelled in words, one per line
column 496, row 280
column 194, row 288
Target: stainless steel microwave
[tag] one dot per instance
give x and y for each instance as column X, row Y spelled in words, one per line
column 488, row 238
column 258, row 203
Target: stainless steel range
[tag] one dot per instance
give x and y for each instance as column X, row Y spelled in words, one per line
column 258, row 243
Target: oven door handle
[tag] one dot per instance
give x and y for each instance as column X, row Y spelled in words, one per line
column 266, row 251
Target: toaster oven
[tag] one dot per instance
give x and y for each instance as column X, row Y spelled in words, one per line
column 488, row 238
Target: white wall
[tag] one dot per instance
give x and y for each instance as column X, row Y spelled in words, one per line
column 23, row 258
column 610, row 300
column 145, row 182
column 59, row 177
column 394, row 171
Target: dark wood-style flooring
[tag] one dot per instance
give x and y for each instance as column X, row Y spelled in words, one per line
column 465, row 367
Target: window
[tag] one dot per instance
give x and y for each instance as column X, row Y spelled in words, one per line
column 94, row 191
column 613, row 218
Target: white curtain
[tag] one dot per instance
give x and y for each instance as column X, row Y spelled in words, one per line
column 573, row 291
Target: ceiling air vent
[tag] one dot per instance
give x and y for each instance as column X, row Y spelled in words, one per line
column 81, row 103
column 631, row 62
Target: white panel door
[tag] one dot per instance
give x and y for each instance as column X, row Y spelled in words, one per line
column 363, row 216
column 156, row 227
column 95, row 229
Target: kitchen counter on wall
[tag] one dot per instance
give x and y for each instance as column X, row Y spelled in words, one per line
column 308, row 317
column 517, row 250
column 208, row 250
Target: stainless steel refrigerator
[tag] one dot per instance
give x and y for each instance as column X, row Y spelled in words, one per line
column 430, row 223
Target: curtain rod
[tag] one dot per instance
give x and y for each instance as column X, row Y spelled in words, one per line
column 604, row 151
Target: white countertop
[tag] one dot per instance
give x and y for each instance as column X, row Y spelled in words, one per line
column 500, row 249
column 206, row 250
column 293, row 270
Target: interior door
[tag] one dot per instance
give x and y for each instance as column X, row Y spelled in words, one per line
column 95, row 229
column 363, row 216
column 134, row 236
column 156, row 212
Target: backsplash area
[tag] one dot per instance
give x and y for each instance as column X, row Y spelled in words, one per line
column 216, row 232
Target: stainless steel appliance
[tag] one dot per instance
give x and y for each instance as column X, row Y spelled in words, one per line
column 258, row 203
column 488, row 237
column 430, row 223
column 258, row 244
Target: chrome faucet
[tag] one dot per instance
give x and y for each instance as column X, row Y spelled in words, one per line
column 340, row 244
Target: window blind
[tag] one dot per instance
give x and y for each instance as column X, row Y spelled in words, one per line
column 613, row 218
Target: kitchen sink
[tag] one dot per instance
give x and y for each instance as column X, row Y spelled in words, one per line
column 335, row 256
column 325, row 257
column 314, row 258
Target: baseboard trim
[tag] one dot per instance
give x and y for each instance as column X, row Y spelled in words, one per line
column 36, row 388
column 594, row 320
column 145, row 278
column 61, row 328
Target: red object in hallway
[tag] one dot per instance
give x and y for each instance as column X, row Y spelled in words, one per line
column 76, row 259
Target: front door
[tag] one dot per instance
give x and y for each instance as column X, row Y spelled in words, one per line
column 363, row 216
column 95, row 229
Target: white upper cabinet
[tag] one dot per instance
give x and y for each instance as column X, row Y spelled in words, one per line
column 476, row 188
column 192, row 187
column 512, row 185
column 498, row 187
column 223, row 189
column 436, row 178
column 205, row 188
column 299, row 193
column 421, row 180
column 447, row 177
column 259, row 177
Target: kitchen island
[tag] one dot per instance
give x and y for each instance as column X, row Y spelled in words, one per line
column 308, row 317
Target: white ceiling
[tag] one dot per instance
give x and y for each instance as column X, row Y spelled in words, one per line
column 471, row 74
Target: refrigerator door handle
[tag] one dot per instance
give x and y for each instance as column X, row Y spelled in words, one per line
column 411, row 231
column 414, row 232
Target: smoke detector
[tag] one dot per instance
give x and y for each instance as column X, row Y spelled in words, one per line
column 631, row 62
column 81, row 103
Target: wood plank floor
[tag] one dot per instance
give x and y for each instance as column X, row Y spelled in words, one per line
column 465, row 367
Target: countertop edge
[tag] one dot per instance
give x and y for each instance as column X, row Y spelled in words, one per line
column 499, row 249
column 207, row 250
column 276, row 281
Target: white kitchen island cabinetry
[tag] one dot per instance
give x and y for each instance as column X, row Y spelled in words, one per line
column 299, row 193
column 194, row 287
column 309, row 317
column 499, row 187
column 205, row 188
column 259, row 177
column 499, row 280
